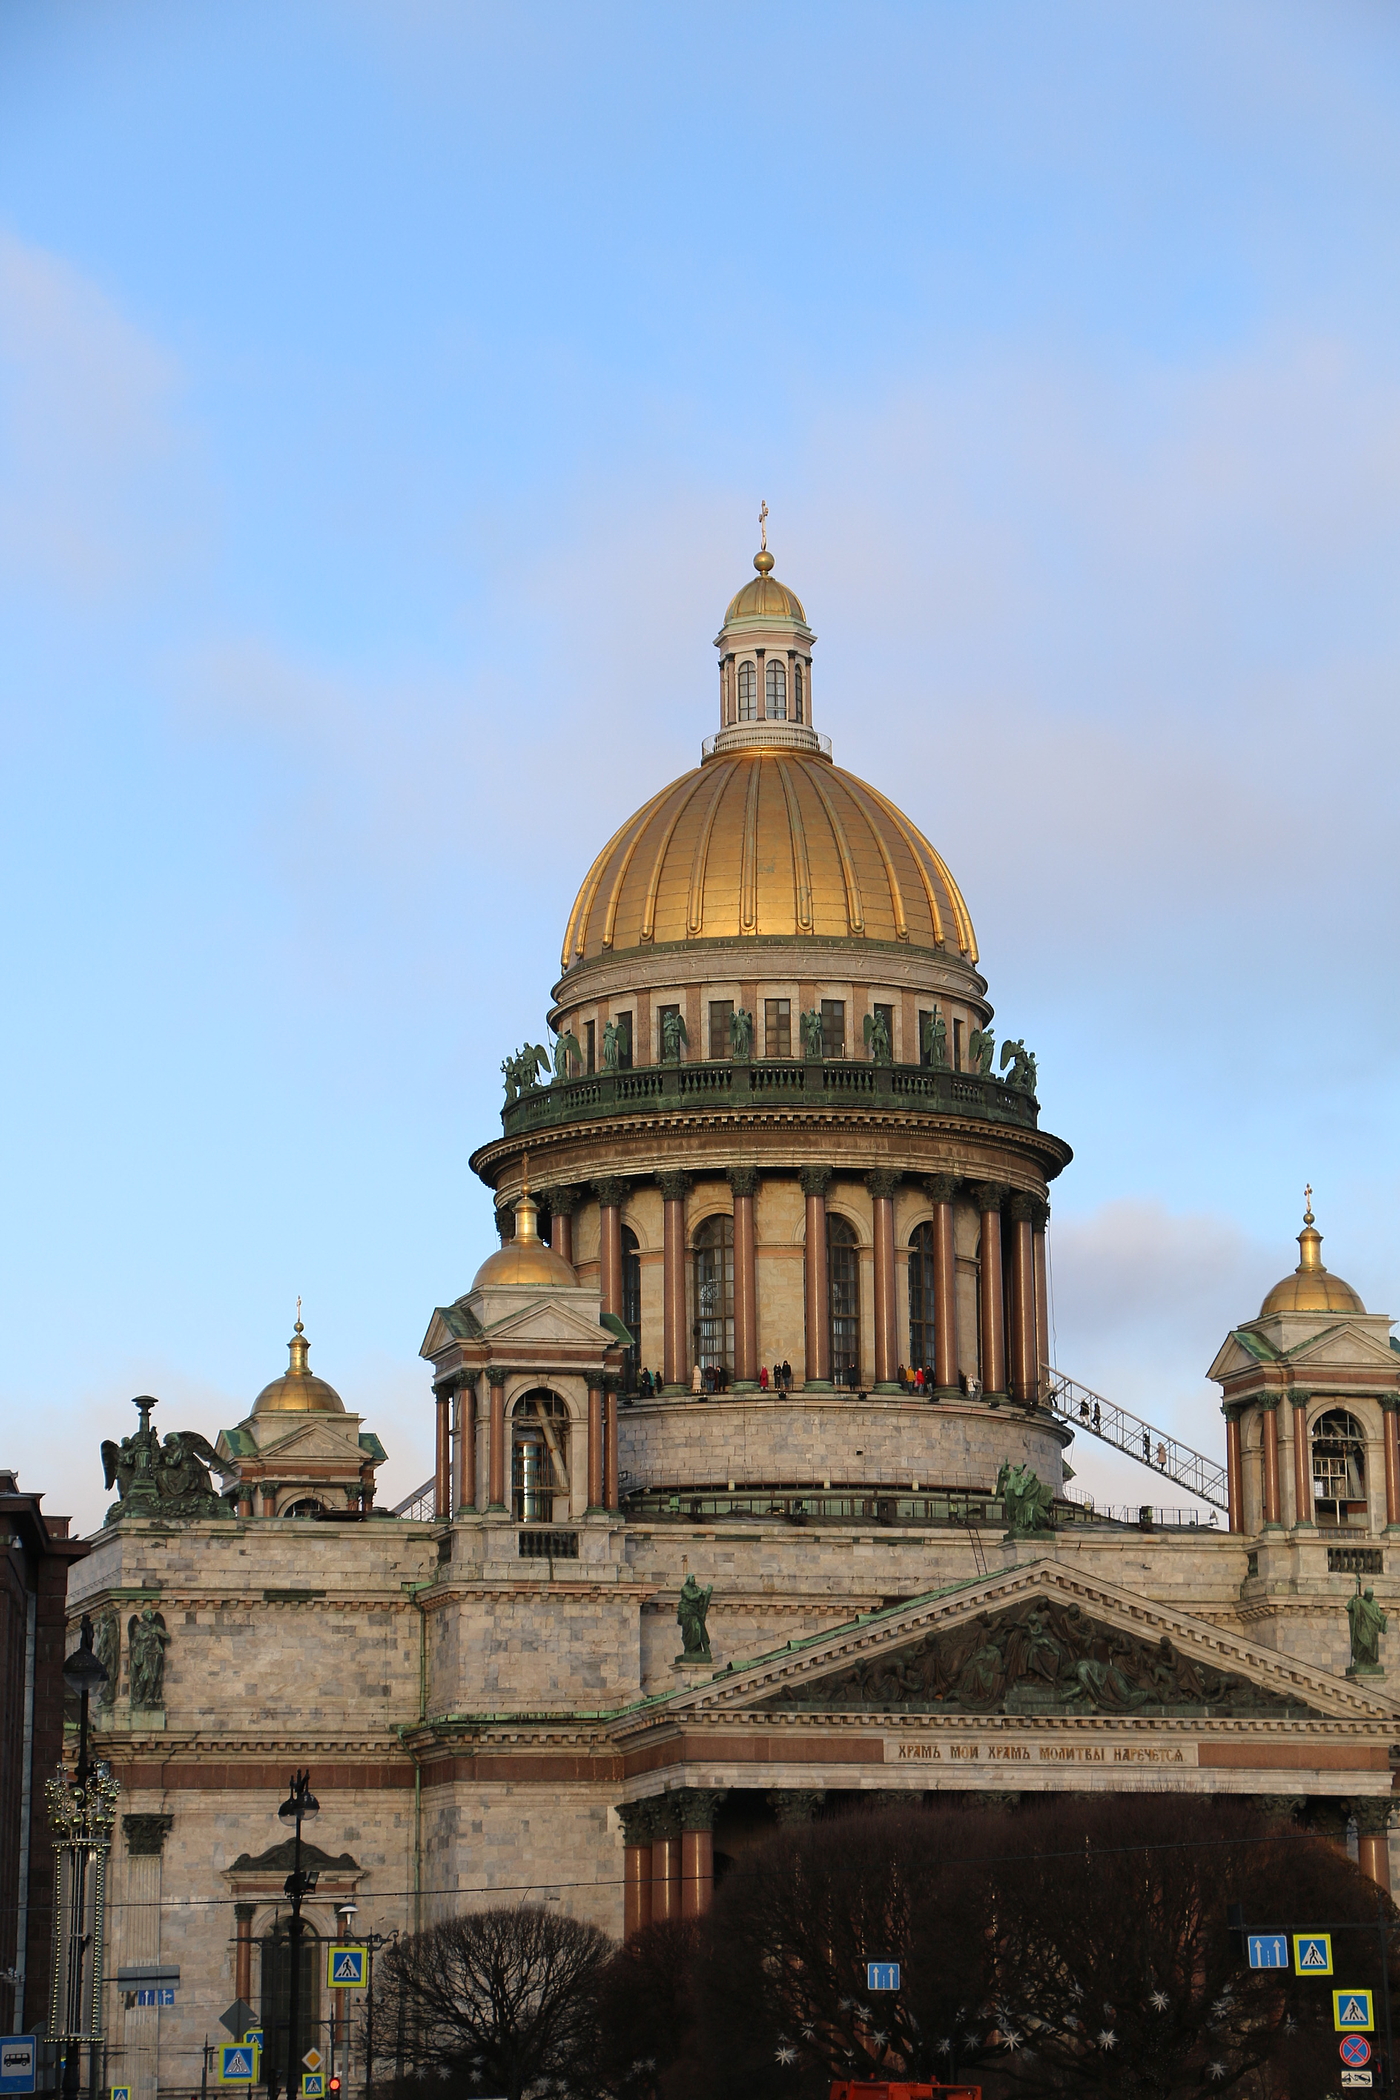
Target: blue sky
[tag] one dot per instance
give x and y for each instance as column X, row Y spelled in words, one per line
column 386, row 395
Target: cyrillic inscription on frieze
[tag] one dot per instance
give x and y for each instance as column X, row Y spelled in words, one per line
column 912, row 1750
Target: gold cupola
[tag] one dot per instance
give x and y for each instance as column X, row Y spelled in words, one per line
column 1311, row 1287
column 525, row 1262
column 298, row 1391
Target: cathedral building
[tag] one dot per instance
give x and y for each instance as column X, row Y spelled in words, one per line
column 750, row 1498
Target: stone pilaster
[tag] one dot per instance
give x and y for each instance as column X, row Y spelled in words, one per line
column 814, row 1182
column 991, row 1297
column 743, row 1183
column 882, row 1185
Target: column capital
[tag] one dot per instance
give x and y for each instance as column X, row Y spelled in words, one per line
column 146, row 1835
column 698, row 1804
column 1372, row 1813
column 611, row 1193
column 1233, row 1409
column 635, row 1818
column 795, row 1804
column 942, row 1187
column 883, row 1181
column 1297, row 1399
column 665, row 1816
column 989, row 1195
column 1390, row 1402
column 743, row 1181
column 244, row 1913
column 563, row 1202
column 814, row 1181
column 1268, row 1402
column 674, row 1186
column 1023, row 1207
column 496, row 1375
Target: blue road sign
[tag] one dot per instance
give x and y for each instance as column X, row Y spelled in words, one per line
column 1352, row 2010
column 345, row 1968
column 313, row 2085
column 238, row 2064
column 1354, row 2050
column 19, row 2054
column 1312, row 1953
column 1268, row 1950
column 119, row 2092
column 882, row 1975
column 162, row 1995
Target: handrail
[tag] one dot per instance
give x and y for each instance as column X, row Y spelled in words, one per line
column 421, row 1506
column 1160, row 1452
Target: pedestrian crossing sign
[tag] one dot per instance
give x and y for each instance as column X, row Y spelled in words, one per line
column 345, row 1968
column 1353, row 2012
column 238, row 2063
column 1312, row 1953
column 120, row 2092
column 313, row 2085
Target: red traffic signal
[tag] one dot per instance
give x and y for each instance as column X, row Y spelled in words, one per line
column 332, row 2085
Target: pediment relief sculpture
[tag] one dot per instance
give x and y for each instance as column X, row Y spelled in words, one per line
column 1041, row 1657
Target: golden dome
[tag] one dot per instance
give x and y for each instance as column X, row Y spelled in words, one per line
column 526, row 1261
column 765, row 598
column 770, row 841
column 298, row 1391
column 1311, row 1288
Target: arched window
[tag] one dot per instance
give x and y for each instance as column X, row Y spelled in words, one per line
column 631, row 1307
column 921, row 1297
column 843, row 1296
column 748, row 692
column 277, row 1994
column 799, row 694
column 307, row 1507
column 775, row 688
column 714, row 1295
column 1339, row 1468
column 539, row 1456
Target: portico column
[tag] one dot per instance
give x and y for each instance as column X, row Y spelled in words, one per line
column 1390, row 1426
column 562, row 1205
column 697, row 1806
column 610, row 1445
column 815, row 1182
column 665, row 1861
column 1372, row 1839
column 610, row 1195
column 882, row 1185
column 990, row 1295
column 1021, row 1294
column 1234, row 1464
column 1268, row 1443
column 496, row 1466
column 464, row 1487
column 943, row 1188
column 243, row 1951
column 635, row 1818
column 743, row 1181
column 1302, row 1471
column 1042, row 1304
column 595, row 1446
column 442, row 1471
column 675, row 1352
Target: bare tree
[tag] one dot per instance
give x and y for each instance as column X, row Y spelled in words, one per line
column 495, row 2001
column 646, row 2012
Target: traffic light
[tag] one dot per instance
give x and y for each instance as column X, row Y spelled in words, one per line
column 333, row 2088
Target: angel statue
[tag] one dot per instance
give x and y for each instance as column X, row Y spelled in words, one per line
column 567, row 1055
column 146, row 1643
column 741, row 1033
column 877, row 1038
column 935, row 1040
column 980, row 1045
column 1026, row 1499
column 612, row 1045
column 1022, row 1062
column 812, row 1038
column 672, row 1034
column 167, row 1481
column 182, row 1472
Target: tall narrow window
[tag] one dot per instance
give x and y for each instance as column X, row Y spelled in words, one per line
column 925, row 1037
column 843, row 1293
column 539, row 1462
column 921, row 1297
column 624, row 1042
column 714, row 1295
column 590, row 1045
column 721, row 1012
column 748, row 692
column 957, row 1046
column 833, row 1028
column 631, row 1308
column 775, row 698
column 799, row 694
column 1339, row 1468
column 777, row 1028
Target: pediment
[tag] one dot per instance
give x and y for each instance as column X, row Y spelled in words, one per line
column 1346, row 1347
column 551, row 1319
column 1030, row 1641
column 315, row 1436
column 1241, row 1352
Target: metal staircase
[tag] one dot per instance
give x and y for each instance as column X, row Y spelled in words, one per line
column 1162, row 1454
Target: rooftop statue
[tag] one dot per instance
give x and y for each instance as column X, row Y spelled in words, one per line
column 690, row 1617
column 877, row 1038
column 811, row 1026
column 146, row 1643
column 1022, row 1062
column 1367, row 1623
column 673, row 1034
column 522, row 1071
column 612, row 1045
column 161, row 1480
column 567, row 1055
column 980, row 1045
column 1027, row 1500
column 741, row 1033
column 934, row 1043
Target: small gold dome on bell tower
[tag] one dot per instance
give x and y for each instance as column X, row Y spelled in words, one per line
column 1311, row 1287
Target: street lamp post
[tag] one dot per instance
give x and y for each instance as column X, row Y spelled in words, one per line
column 298, row 1808
column 82, row 1811
column 371, row 1941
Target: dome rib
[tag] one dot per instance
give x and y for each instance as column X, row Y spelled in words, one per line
column 583, row 903
column 748, row 867
column 695, row 913
column 901, row 922
column 855, row 909
column 797, row 836
column 615, row 895
column 688, row 784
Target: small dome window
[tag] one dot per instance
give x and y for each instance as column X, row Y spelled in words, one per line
column 799, row 694
column 1339, row 1468
column 748, row 692
column 776, row 691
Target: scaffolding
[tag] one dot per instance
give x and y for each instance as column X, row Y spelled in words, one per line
column 1161, row 1453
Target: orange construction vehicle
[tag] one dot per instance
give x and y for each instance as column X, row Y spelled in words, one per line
column 878, row 2089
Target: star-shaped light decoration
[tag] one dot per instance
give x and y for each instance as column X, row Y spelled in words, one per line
column 879, row 2038
column 1011, row 2038
column 945, row 2047
column 848, row 2005
column 1159, row 2001
column 1215, row 2070
column 1106, row 2038
column 787, row 2054
column 1221, row 2006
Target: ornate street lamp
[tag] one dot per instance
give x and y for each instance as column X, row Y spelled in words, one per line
column 298, row 1808
column 82, row 1811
